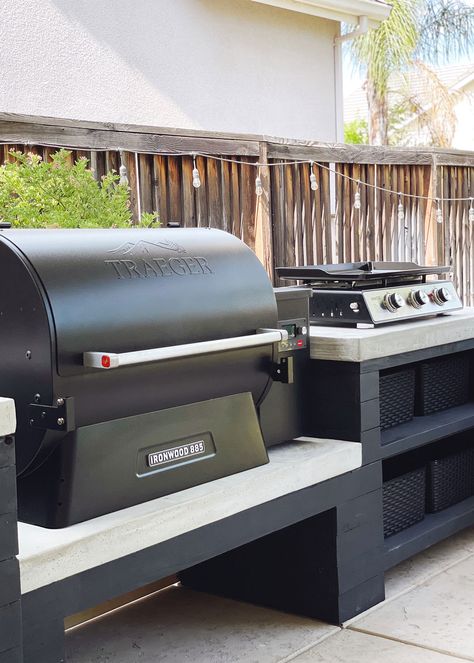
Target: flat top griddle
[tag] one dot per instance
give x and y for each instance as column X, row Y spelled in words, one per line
column 359, row 271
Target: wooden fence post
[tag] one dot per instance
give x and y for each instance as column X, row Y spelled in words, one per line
column 263, row 216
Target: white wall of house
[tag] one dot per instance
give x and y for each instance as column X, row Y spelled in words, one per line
column 219, row 65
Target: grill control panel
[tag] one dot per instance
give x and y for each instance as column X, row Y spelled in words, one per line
column 411, row 301
column 297, row 334
column 372, row 306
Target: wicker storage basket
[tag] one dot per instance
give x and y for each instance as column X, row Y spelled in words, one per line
column 397, row 397
column 449, row 480
column 403, row 501
column 442, row 383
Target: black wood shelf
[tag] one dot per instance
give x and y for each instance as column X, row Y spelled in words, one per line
column 423, row 430
column 434, row 528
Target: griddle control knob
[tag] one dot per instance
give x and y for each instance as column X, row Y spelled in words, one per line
column 418, row 298
column 393, row 301
column 441, row 296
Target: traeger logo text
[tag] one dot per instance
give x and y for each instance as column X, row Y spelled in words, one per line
column 177, row 453
column 135, row 260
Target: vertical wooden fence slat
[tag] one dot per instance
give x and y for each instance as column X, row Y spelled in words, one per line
column 188, row 216
column 248, row 203
column 289, row 227
column 445, row 226
column 201, row 194
column 298, row 211
column 129, row 159
column 174, row 189
column 263, row 215
column 339, row 214
column 146, row 182
column 348, row 192
column 160, row 190
column 235, row 200
column 226, row 197
column 213, row 194
column 387, row 213
column 277, row 186
column 371, row 222
column 326, row 201
column 306, row 194
column 471, row 236
column 317, row 219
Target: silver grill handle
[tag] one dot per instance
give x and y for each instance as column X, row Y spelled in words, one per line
column 108, row 360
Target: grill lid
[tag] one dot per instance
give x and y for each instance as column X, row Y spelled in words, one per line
column 134, row 289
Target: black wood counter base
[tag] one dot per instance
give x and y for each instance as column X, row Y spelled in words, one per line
column 322, row 537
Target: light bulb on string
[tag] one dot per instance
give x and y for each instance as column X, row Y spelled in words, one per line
column 196, row 178
column 357, row 197
column 471, row 212
column 123, row 174
column 439, row 212
column 258, row 184
column 312, row 178
column 401, row 209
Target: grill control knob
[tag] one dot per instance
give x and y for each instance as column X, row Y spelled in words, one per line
column 418, row 298
column 441, row 296
column 393, row 301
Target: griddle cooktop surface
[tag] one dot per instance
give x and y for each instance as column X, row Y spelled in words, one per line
column 359, row 271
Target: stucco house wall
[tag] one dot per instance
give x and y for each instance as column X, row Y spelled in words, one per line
column 226, row 65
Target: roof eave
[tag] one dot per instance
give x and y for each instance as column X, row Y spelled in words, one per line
column 346, row 11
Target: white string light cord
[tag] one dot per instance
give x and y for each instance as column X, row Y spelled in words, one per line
column 258, row 181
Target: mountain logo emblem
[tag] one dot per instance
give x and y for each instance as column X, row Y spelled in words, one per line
column 144, row 248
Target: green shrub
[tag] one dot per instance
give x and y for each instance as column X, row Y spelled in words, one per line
column 60, row 194
column 356, row 132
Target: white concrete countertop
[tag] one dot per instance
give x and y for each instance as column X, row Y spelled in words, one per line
column 350, row 344
column 47, row 556
column 7, row 416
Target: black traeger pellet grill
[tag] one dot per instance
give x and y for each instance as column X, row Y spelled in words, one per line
column 137, row 359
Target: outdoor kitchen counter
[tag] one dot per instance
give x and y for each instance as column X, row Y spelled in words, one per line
column 47, row 556
column 358, row 345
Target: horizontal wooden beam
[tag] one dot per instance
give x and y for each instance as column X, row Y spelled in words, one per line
column 100, row 139
column 80, row 134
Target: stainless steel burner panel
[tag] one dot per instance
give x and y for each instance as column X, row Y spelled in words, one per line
column 369, row 307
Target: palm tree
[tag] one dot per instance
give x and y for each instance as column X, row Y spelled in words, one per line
column 427, row 30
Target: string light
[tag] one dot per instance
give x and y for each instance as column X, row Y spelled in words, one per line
column 312, row 178
column 196, row 178
column 357, row 197
column 401, row 209
column 313, row 181
column 439, row 212
column 258, row 184
column 123, row 179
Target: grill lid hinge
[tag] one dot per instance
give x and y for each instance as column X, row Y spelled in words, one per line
column 59, row 417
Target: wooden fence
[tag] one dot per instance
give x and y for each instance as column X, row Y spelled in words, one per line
column 290, row 223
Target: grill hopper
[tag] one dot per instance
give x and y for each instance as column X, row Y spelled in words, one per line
column 67, row 292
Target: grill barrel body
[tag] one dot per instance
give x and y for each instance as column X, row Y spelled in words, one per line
column 69, row 292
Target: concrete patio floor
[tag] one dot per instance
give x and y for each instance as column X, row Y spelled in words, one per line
column 428, row 617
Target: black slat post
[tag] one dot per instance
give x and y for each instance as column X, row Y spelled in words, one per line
column 344, row 404
column 10, row 593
